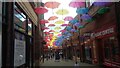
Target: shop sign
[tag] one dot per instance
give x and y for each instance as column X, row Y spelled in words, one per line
column 102, row 33
column 87, row 34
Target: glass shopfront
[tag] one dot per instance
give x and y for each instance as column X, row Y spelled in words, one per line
column 111, row 49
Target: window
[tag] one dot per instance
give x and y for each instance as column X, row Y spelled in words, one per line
column 29, row 27
column 19, row 19
column 111, row 49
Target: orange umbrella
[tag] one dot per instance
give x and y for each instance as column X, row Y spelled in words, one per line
column 52, row 5
column 53, row 18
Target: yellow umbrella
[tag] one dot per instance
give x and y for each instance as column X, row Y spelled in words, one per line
column 56, row 32
column 59, row 22
column 62, row 12
column 57, row 28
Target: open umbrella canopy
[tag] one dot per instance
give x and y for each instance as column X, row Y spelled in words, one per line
column 52, row 5
column 86, row 17
column 64, row 25
column 41, row 10
column 59, row 22
column 68, row 18
column 82, row 10
column 62, row 12
column 76, row 4
column 57, row 28
column 51, row 25
column 52, row 18
column 74, row 21
column 43, row 21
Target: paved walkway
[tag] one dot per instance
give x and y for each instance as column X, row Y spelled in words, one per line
column 65, row 63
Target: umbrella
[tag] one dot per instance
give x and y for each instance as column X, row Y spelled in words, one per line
column 41, row 10
column 51, row 31
column 68, row 18
column 74, row 21
column 45, row 28
column 43, row 21
column 62, row 12
column 52, row 5
column 53, row 18
column 62, row 30
column 59, row 22
column 77, row 24
column 59, row 35
column 68, row 28
column 75, row 4
column 64, row 25
column 82, row 10
column 46, row 32
column 103, row 10
column 57, row 28
column 56, row 32
column 51, row 25
column 73, row 30
column 86, row 17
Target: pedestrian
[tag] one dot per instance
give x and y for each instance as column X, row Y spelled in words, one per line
column 76, row 65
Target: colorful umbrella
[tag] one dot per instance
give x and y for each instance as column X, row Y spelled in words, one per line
column 74, row 21
column 50, row 25
column 76, row 4
column 64, row 25
column 85, row 17
column 57, row 28
column 68, row 18
column 45, row 28
column 77, row 24
column 82, row 10
column 103, row 10
column 52, row 5
column 43, row 21
column 62, row 31
column 62, row 12
column 101, row 4
column 53, row 18
column 41, row 10
column 51, row 31
column 59, row 22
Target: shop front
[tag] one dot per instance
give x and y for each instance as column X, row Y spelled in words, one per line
column 107, row 46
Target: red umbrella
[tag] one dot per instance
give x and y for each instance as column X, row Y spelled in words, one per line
column 43, row 21
column 53, row 18
column 52, row 5
column 41, row 10
column 51, row 31
column 51, row 25
column 68, row 18
column 62, row 30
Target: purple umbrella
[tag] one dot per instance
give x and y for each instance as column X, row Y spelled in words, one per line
column 101, row 3
column 68, row 18
column 77, row 24
column 86, row 17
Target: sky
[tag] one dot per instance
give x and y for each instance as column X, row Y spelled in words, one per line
column 52, row 12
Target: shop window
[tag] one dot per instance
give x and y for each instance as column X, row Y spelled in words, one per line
column 29, row 27
column 19, row 19
column 111, row 49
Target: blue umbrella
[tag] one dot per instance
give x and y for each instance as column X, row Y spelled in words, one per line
column 77, row 24
column 68, row 28
column 82, row 10
column 74, row 21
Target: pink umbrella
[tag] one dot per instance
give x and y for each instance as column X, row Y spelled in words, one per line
column 76, row 4
column 43, row 21
column 41, row 10
column 59, row 35
column 51, row 25
column 51, row 31
column 45, row 28
column 64, row 25
column 68, row 18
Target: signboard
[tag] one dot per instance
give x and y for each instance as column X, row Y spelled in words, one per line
column 103, row 33
column 19, row 52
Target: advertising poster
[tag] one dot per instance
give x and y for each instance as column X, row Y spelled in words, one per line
column 19, row 52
